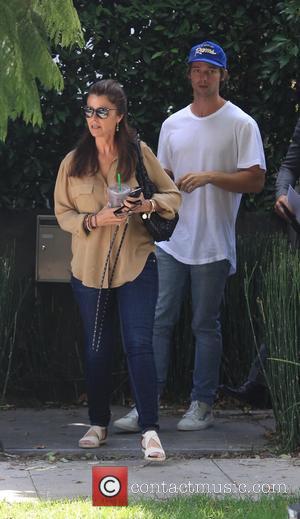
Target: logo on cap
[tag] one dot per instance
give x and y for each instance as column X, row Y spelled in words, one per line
column 205, row 50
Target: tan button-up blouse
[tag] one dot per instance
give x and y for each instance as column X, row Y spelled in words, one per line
column 74, row 197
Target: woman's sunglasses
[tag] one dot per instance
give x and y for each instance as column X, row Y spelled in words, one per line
column 102, row 112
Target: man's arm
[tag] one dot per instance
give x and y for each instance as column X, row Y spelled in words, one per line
column 289, row 172
column 170, row 173
column 249, row 180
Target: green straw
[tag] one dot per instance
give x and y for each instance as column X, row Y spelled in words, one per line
column 119, row 181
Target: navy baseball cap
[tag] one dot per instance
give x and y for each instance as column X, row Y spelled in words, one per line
column 209, row 52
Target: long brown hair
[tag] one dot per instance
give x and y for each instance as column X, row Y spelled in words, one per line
column 85, row 159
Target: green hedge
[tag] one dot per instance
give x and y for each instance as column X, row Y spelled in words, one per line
column 144, row 45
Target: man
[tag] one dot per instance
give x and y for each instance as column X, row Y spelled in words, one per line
column 214, row 151
column 289, row 173
column 254, row 389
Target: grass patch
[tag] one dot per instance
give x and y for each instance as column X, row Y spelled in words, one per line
column 202, row 507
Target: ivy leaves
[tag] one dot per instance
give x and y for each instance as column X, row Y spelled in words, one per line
column 144, row 46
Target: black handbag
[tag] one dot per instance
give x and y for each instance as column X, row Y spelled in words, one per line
column 160, row 228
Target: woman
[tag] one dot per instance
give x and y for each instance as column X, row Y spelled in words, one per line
column 105, row 155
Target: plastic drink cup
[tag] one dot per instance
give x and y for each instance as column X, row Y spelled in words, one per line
column 117, row 194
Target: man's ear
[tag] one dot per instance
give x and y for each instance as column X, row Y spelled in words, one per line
column 224, row 75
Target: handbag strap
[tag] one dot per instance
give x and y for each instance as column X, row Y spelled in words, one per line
column 142, row 174
column 96, row 340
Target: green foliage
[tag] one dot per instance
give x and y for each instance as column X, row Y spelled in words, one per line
column 278, row 300
column 281, row 297
column 26, row 31
column 61, row 21
column 7, row 320
column 144, row 46
column 10, row 303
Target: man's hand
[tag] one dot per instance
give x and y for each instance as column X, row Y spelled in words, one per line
column 250, row 180
column 191, row 181
column 282, row 200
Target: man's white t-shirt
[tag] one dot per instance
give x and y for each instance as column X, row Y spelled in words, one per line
column 227, row 140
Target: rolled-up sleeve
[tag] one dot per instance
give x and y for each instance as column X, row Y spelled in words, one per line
column 68, row 217
column 168, row 196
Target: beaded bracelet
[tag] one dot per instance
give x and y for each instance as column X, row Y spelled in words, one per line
column 88, row 223
column 94, row 221
column 86, row 226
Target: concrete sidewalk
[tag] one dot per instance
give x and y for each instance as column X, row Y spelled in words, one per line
column 38, row 480
column 38, row 431
column 42, row 460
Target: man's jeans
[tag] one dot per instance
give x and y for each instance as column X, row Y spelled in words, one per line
column 135, row 302
column 207, row 289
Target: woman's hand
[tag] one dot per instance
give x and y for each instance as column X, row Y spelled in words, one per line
column 136, row 205
column 107, row 217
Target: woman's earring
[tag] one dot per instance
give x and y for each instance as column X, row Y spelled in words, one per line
column 117, row 127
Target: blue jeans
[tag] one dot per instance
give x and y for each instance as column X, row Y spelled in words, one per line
column 135, row 302
column 207, row 287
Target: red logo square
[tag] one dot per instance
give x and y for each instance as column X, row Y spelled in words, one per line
column 110, row 486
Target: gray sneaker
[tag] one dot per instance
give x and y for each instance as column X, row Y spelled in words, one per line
column 198, row 416
column 129, row 422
